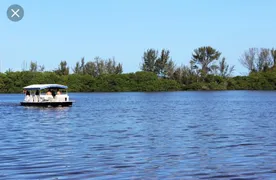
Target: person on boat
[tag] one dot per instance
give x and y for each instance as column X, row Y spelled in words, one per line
column 28, row 93
column 36, row 97
column 58, row 92
column 49, row 92
column 53, row 93
column 28, row 96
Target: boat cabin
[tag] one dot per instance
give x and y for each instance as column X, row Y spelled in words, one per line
column 46, row 95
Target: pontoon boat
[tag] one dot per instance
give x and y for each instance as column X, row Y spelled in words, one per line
column 46, row 95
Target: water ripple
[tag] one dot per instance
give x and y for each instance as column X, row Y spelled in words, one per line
column 177, row 135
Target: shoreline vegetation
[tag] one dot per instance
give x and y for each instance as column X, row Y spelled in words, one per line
column 207, row 70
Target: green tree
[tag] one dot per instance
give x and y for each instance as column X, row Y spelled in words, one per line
column 119, row 69
column 77, row 68
column 225, row 70
column 33, row 66
column 161, row 63
column 162, row 66
column 149, row 60
column 204, row 57
column 273, row 54
column 82, row 66
column 100, row 66
column 90, row 68
column 63, row 69
column 170, row 68
column 41, row 68
column 110, row 66
column 264, row 60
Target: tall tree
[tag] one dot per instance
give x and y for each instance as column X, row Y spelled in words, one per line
column 273, row 54
column 110, row 66
column 177, row 75
column 119, row 69
column 264, row 60
column 82, row 66
column 194, row 69
column 170, row 68
column 41, row 68
column 257, row 60
column 77, row 68
column 100, row 66
column 225, row 70
column 90, row 68
column 149, row 60
column 204, row 57
column 63, row 69
column 161, row 63
column 248, row 59
column 33, row 66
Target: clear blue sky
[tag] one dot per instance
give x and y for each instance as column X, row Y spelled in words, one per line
column 55, row 30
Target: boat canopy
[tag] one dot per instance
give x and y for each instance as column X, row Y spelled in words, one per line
column 44, row 86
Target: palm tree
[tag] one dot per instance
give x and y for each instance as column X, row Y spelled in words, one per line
column 205, row 57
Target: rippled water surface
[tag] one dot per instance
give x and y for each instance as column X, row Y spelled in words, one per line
column 176, row 135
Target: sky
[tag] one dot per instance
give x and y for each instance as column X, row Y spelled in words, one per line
column 52, row 31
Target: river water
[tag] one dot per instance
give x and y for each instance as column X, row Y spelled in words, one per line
column 174, row 135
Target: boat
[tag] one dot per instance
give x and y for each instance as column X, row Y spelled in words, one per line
column 46, row 95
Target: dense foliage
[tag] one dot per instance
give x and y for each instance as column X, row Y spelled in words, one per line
column 206, row 71
column 140, row 81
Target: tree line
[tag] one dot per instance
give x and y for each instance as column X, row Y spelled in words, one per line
column 207, row 70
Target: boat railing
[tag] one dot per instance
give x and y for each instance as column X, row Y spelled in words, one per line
column 34, row 97
column 46, row 98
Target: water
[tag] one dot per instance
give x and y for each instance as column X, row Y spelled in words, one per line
column 177, row 135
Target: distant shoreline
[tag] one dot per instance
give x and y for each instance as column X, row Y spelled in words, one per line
column 207, row 71
column 13, row 82
column 99, row 92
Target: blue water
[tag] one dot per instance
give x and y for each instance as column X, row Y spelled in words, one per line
column 176, row 135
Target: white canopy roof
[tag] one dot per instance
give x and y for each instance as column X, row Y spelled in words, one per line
column 45, row 86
